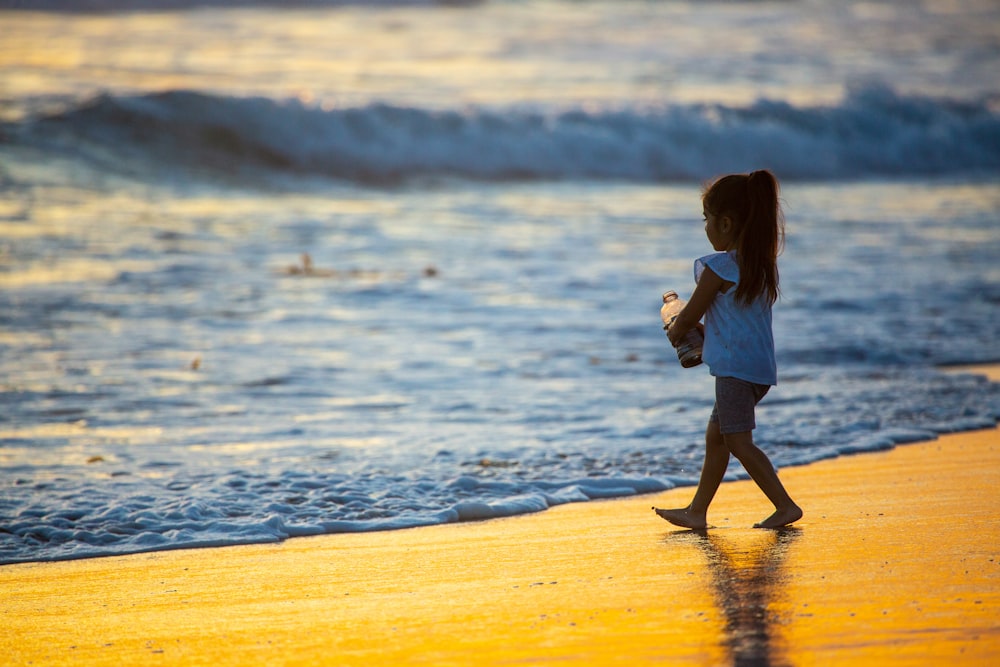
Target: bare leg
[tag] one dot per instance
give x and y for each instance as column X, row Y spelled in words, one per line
column 712, row 471
column 762, row 472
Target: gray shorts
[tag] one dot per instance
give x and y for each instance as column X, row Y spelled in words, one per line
column 734, row 404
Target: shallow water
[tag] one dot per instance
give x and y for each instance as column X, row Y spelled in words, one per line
column 469, row 339
column 174, row 377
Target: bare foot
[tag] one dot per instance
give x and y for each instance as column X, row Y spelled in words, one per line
column 781, row 517
column 683, row 518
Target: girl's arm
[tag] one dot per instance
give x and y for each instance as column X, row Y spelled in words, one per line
column 708, row 286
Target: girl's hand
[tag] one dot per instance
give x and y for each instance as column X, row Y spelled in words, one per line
column 704, row 293
column 674, row 333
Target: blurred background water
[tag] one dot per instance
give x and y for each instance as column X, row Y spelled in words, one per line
column 271, row 271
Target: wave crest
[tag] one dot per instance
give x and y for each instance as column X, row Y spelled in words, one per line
column 873, row 132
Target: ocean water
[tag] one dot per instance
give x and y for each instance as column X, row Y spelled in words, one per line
column 271, row 271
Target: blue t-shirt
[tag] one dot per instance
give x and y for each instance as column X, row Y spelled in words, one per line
column 739, row 340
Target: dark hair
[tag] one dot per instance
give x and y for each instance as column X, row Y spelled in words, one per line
column 751, row 202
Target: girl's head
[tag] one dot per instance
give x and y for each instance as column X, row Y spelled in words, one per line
column 742, row 213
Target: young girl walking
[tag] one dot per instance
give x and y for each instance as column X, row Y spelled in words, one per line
column 736, row 287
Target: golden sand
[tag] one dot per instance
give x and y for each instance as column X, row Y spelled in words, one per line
column 897, row 562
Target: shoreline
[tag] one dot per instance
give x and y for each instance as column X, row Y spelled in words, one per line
column 601, row 582
column 989, row 371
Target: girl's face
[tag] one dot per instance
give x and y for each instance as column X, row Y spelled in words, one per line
column 718, row 229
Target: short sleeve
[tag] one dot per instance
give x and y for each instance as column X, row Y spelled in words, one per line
column 723, row 264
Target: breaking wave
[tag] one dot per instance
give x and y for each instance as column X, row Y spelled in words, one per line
column 873, row 132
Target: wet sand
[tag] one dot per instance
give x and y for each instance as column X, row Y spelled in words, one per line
column 897, row 562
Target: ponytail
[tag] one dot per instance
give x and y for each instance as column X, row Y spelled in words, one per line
column 751, row 201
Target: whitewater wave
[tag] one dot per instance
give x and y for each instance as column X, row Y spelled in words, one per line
column 873, row 132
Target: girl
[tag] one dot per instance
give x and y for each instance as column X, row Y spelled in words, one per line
column 736, row 288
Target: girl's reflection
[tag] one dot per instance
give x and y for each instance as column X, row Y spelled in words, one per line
column 746, row 575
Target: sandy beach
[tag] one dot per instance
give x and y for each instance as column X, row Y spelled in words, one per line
column 895, row 563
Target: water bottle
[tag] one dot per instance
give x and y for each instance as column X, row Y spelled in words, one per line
column 689, row 347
